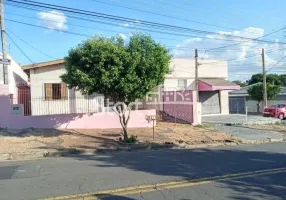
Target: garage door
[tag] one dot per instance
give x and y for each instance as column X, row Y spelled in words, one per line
column 210, row 102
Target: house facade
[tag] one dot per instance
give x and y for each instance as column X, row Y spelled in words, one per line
column 213, row 84
column 49, row 95
column 240, row 99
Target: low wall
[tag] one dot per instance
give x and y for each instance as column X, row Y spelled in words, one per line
column 103, row 120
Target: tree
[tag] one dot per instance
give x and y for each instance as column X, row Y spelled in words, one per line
column 123, row 72
column 282, row 78
column 240, row 83
column 256, row 93
column 257, row 78
column 273, row 79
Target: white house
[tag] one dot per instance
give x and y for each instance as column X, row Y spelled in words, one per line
column 16, row 77
column 49, row 95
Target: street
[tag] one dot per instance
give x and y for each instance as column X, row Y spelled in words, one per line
column 239, row 172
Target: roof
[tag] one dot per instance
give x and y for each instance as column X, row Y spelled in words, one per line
column 44, row 64
column 243, row 91
column 217, row 81
column 213, row 84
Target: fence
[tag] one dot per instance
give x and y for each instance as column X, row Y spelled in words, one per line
column 57, row 100
column 178, row 105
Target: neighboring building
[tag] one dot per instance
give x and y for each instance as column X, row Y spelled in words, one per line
column 213, row 83
column 240, row 99
column 16, row 78
column 49, row 95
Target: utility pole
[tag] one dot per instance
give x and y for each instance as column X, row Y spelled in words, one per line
column 3, row 40
column 264, row 80
column 197, row 74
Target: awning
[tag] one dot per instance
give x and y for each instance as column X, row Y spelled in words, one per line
column 213, row 84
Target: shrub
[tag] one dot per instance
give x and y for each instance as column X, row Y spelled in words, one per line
column 132, row 139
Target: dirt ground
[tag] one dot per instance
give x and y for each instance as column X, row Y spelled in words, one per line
column 34, row 140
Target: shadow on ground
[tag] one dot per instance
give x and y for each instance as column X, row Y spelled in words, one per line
column 202, row 163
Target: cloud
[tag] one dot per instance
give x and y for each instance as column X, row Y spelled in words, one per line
column 123, row 36
column 242, row 67
column 126, row 25
column 53, row 20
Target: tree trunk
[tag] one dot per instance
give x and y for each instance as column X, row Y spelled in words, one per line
column 258, row 107
column 125, row 133
column 124, row 117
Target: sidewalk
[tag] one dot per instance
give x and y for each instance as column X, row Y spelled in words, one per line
column 255, row 133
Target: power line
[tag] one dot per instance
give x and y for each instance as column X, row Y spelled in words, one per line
column 276, row 63
column 239, row 59
column 101, row 28
column 134, row 27
column 159, row 14
column 85, row 35
column 124, row 19
column 82, row 34
column 19, row 48
column 31, row 45
column 244, row 42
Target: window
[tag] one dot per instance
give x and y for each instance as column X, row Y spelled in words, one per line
column 56, row 91
column 182, row 83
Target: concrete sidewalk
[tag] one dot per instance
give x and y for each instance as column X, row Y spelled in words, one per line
column 251, row 135
column 239, row 119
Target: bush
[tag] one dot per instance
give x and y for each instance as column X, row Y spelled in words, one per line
column 132, row 139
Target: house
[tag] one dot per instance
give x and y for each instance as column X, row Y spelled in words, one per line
column 213, row 84
column 240, row 99
column 49, row 95
column 17, row 78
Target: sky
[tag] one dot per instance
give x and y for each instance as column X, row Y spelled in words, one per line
column 240, row 18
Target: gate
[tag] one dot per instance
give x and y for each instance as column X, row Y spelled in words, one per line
column 24, row 97
column 236, row 105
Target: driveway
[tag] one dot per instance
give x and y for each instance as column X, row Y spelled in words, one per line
column 238, row 119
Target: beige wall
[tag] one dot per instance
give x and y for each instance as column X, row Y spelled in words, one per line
column 40, row 76
column 185, row 69
column 224, row 102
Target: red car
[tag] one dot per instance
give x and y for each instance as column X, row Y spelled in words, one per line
column 280, row 111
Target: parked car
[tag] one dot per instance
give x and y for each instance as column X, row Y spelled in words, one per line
column 278, row 111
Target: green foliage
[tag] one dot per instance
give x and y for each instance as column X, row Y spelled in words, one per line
column 240, row 83
column 132, row 139
column 256, row 91
column 282, row 77
column 124, row 72
column 273, row 79
column 257, row 78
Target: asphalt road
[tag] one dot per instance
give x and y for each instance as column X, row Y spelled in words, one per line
column 243, row 172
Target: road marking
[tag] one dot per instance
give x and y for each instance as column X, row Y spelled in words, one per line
column 168, row 185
